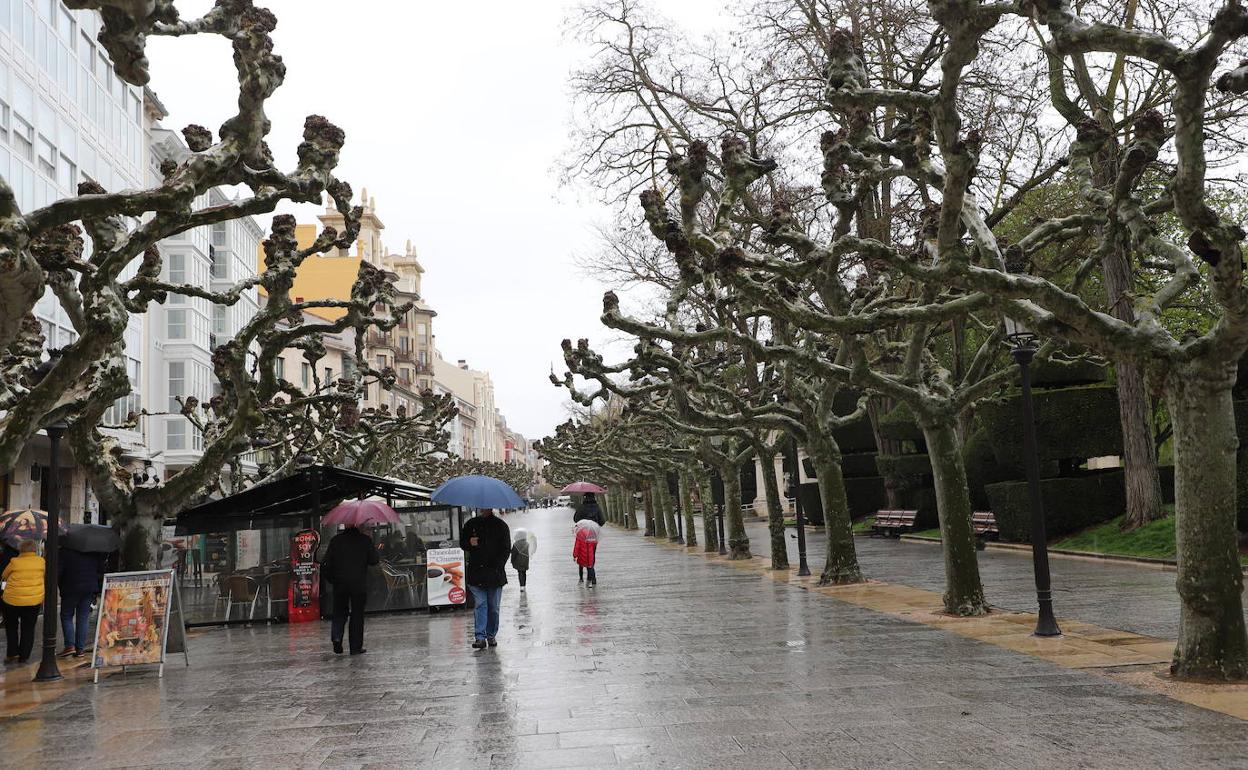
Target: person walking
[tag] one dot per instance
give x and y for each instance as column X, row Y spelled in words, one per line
column 585, row 549
column 486, row 540
column 23, row 593
column 523, row 544
column 347, row 559
column 589, row 510
column 79, row 578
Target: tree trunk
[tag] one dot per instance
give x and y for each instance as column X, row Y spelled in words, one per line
column 1139, row 455
column 669, row 508
column 841, row 562
column 140, row 538
column 658, row 491
column 775, row 512
column 964, row 592
column 629, row 504
column 877, row 407
column 686, row 508
column 738, row 540
column 648, row 504
column 710, row 534
column 1212, row 641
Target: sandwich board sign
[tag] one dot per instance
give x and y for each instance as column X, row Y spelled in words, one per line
column 137, row 612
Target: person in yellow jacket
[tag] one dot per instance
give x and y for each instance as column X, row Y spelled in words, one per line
column 23, row 594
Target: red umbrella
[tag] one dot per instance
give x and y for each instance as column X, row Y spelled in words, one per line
column 583, row 486
column 357, row 513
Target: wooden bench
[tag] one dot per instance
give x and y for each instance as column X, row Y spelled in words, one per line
column 893, row 523
column 984, row 524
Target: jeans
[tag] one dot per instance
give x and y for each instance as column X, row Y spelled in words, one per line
column 76, row 620
column 347, row 603
column 487, row 601
column 19, row 629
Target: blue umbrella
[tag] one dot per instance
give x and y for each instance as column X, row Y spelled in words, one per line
column 477, row 492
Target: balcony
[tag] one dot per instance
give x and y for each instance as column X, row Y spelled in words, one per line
column 378, row 339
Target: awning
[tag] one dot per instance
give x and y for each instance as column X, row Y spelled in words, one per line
column 306, row 492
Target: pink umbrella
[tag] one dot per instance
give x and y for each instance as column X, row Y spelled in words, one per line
column 357, row 513
column 583, row 486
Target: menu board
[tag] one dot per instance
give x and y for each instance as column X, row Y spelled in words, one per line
column 444, row 576
column 304, row 594
column 133, row 618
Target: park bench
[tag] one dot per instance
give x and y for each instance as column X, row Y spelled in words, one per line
column 893, row 523
column 984, row 524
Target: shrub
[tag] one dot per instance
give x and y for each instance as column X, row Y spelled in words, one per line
column 857, row 437
column 865, row 495
column 899, row 425
column 1055, row 373
column 910, row 470
column 1070, row 503
column 1071, row 424
column 858, row 464
column 982, row 468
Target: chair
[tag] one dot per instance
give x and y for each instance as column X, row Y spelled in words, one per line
column 242, row 590
column 223, row 591
column 278, row 585
column 397, row 580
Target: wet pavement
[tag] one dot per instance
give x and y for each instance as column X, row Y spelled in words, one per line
column 671, row 662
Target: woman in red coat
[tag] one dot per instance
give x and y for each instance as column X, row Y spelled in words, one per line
column 585, row 549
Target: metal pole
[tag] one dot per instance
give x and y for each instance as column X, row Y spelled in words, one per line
column 1046, row 624
column 803, row 568
column 719, row 514
column 48, row 670
column 680, row 514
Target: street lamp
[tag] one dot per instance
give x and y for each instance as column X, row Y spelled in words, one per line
column 48, row 670
column 680, row 529
column 1023, row 344
column 795, row 489
column 716, row 441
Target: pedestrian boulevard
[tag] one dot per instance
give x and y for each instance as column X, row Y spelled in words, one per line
column 672, row 661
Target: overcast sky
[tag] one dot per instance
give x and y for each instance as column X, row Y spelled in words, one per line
column 456, row 114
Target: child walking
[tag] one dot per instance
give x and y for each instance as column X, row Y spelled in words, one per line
column 585, row 549
column 523, row 546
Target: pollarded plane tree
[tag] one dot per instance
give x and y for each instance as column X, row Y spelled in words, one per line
column 1197, row 370
column 603, row 448
column 100, row 281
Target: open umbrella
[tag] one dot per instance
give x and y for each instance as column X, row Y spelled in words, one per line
column 91, row 538
column 357, row 513
column 477, row 492
column 24, row 524
column 588, row 530
column 584, row 486
column 520, row 533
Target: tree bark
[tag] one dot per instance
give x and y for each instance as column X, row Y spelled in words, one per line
column 877, row 407
column 140, row 538
column 964, row 592
column 841, row 560
column 738, row 540
column 710, row 534
column 686, row 508
column 775, row 512
column 1212, row 640
column 648, row 504
column 669, row 508
column 658, row 492
column 1139, row 454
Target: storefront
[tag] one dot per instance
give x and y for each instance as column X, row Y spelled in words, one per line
column 238, row 557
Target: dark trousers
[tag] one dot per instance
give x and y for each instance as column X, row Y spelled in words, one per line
column 524, row 574
column 76, row 620
column 348, row 603
column 19, row 629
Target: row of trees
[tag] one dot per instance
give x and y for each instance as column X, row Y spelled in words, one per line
column 97, row 254
column 972, row 162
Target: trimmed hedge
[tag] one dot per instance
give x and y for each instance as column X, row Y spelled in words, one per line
column 812, row 504
column 1071, row 503
column 859, row 464
column 1061, row 374
column 1071, row 423
column 857, row 437
column 911, row 470
column 865, row 495
column 982, row 468
column 899, row 425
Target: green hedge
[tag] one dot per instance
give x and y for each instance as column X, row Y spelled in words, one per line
column 982, row 468
column 910, row 470
column 1071, row 423
column 899, row 425
column 858, row 464
column 857, row 437
column 1054, row 373
column 865, row 495
column 1071, row 503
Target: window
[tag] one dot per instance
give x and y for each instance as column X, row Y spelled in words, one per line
column 279, row 368
column 67, row 175
column 175, row 434
column 420, row 331
column 177, row 384
column 175, row 324
column 219, row 320
column 47, row 157
column 381, row 363
column 220, row 266
column 305, row 375
column 219, row 234
column 329, row 375
column 23, row 137
column 177, row 275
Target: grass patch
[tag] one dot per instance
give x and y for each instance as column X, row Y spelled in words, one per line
column 1154, row 540
column 930, row 534
column 864, row 524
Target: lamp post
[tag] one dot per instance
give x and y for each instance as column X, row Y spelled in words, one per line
column 717, row 441
column 1023, row 348
column 795, row 488
column 680, row 529
column 48, row 670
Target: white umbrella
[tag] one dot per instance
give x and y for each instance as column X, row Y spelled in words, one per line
column 594, row 533
column 520, row 534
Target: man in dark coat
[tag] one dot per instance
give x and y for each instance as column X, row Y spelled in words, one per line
column 589, row 510
column 80, row 576
column 347, row 559
column 486, row 540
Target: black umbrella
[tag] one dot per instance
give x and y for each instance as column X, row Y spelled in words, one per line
column 91, row 538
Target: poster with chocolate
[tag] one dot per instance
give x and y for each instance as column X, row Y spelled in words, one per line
column 444, row 576
column 304, row 593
